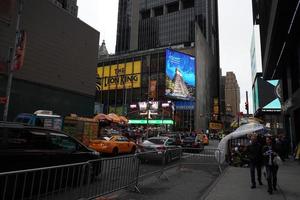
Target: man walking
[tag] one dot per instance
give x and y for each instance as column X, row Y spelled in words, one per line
column 254, row 151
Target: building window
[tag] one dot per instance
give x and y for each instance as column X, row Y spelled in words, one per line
column 188, row 4
column 158, row 11
column 173, row 7
column 145, row 14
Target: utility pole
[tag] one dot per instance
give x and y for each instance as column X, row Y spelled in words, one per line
column 12, row 60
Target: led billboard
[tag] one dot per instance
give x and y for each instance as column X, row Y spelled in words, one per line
column 266, row 95
column 180, row 75
column 119, row 76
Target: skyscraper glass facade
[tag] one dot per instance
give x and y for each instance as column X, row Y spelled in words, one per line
column 166, row 23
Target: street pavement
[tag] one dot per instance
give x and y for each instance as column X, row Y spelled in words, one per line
column 235, row 184
column 186, row 182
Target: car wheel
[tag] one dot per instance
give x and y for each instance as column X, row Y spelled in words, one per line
column 115, row 151
column 133, row 149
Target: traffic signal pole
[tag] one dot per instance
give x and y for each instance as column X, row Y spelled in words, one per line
column 247, row 103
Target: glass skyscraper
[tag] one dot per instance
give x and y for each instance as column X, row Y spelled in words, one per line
column 148, row 24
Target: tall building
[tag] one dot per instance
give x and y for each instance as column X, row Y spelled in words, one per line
column 156, row 37
column 102, row 52
column 148, row 24
column 280, row 43
column 222, row 95
column 68, row 5
column 59, row 64
column 232, row 94
column 266, row 103
column 255, row 51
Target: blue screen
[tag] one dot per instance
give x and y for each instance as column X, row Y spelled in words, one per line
column 180, row 75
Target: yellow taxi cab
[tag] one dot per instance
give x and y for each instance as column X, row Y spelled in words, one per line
column 114, row 145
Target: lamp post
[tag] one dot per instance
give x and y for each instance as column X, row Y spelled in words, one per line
column 165, row 105
column 12, row 61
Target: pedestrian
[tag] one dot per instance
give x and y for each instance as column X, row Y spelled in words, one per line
column 254, row 151
column 297, row 152
column 269, row 153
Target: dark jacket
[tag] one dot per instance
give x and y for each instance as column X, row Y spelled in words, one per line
column 254, row 151
column 268, row 152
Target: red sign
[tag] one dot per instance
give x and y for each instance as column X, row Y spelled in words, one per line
column 20, row 50
column 3, row 100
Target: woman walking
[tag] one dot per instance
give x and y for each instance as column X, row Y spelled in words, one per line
column 269, row 154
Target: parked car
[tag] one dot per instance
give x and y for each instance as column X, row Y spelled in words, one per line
column 35, row 147
column 159, row 148
column 115, row 145
column 23, row 148
column 191, row 144
column 176, row 136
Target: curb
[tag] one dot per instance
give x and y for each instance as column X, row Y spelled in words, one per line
column 214, row 183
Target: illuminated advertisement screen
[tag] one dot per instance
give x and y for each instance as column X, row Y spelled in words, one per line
column 266, row 95
column 180, row 75
column 119, row 76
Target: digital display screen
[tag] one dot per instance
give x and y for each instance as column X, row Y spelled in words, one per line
column 266, row 95
column 180, row 75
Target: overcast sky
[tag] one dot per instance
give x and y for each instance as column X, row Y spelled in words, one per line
column 235, row 31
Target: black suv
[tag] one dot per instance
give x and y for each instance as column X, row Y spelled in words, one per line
column 61, row 157
column 23, row 147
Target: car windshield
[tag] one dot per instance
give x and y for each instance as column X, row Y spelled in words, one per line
column 189, row 139
column 157, row 140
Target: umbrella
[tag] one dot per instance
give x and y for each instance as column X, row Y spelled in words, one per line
column 241, row 131
column 123, row 119
column 102, row 117
column 114, row 117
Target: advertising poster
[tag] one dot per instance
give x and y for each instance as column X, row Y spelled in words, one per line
column 119, row 76
column 152, row 89
column 180, row 75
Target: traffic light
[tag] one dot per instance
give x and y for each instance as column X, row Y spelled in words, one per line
column 246, row 106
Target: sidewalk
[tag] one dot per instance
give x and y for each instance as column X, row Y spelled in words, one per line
column 235, row 184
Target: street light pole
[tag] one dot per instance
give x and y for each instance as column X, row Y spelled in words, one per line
column 12, row 61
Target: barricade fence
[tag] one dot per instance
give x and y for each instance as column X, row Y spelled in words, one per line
column 92, row 179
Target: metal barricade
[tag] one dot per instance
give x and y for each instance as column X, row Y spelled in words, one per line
column 86, row 180
column 95, row 178
column 195, row 156
column 44, row 183
column 112, row 174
